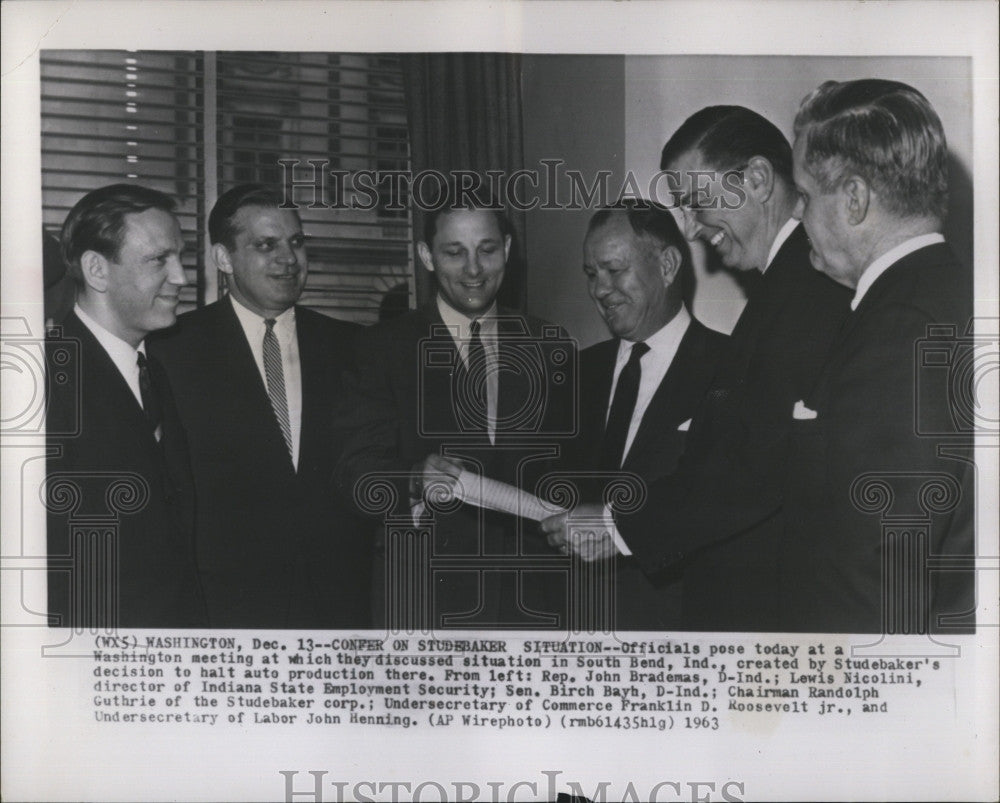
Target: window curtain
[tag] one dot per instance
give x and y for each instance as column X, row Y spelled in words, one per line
column 464, row 113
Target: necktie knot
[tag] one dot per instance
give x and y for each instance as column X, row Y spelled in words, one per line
column 269, row 323
column 637, row 353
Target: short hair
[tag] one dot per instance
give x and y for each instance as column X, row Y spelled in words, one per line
column 651, row 221
column 97, row 222
column 452, row 196
column 729, row 135
column 221, row 220
column 884, row 131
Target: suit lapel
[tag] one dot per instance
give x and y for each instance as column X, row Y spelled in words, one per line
column 100, row 371
column 598, row 400
column 247, row 385
column 667, row 407
column 882, row 286
column 429, row 364
column 316, row 395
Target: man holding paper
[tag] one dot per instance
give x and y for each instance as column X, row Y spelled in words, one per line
column 642, row 387
column 463, row 385
column 875, row 499
column 733, row 171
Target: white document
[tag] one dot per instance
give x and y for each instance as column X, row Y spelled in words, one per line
column 484, row 492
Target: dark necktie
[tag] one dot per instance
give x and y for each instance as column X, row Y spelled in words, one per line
column 275, row 376
column 147, row 391
column 622, row 408
column 477, row 377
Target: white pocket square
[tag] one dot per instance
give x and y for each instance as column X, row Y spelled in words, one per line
column 685, row 426
column 803, row 413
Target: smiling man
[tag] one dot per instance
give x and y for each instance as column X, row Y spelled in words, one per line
column 113, row 425
column 733, row 169
column 256, row 379
column 462, row 384
column 642, row 387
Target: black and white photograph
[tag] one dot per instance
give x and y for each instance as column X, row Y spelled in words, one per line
column 500, row 401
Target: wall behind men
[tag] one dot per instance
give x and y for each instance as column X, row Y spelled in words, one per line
column 656, row 94
column 574, row 111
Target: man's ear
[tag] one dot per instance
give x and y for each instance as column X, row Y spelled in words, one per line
column 425, row 255
column 759, row 178
column 857, row 196
column 94, row 267
column 220, row 254
column 670, row 264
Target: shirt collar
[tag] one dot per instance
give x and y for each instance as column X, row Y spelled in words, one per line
column 121, row 353
column 890, row 258
column 666, row 339
column 458, row 324
column 249, row 319
column 783, row 234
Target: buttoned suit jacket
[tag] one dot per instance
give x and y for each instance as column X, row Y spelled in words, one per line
column 643, row 603
column 276, row 548
column 406, row 406
column 120, row 503
column 716, row 515
column 879, row 481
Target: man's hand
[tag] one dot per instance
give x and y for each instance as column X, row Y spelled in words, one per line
column 435, row 476
column 584, row 532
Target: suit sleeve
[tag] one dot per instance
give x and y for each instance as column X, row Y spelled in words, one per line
column 367, row 422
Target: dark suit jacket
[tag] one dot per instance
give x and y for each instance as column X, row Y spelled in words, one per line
column 275, row 549
column 642, row 603
column 404, row 408
column 879, row 409
column 715, row 515
column 120, row 504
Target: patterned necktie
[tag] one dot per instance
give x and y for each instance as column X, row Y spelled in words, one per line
column 150, row 399
column 276, row 381
column 622, row 408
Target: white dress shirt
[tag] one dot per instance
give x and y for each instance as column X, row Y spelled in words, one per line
column 654, row 363
column 284, row 329
column 459, row 326
column 888, row 259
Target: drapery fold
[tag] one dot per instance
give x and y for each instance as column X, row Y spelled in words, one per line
column 464, row 113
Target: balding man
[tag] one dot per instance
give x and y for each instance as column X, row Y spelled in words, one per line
column 870, row 162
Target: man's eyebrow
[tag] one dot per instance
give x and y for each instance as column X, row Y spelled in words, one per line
column 164, row 252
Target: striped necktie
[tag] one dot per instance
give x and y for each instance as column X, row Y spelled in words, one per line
column 275, row 375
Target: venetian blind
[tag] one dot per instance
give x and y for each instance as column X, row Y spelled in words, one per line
column 196, row 124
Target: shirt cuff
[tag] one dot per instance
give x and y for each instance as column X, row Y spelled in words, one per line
column 609, row 522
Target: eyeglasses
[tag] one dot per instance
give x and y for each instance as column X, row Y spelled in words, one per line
column 691, row 205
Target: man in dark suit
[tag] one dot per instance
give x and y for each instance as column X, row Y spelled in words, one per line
column 119, row 491
column 640, row 389
column 256, row 378
column 461, row 384
column 878, row 434
column 733, row 173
